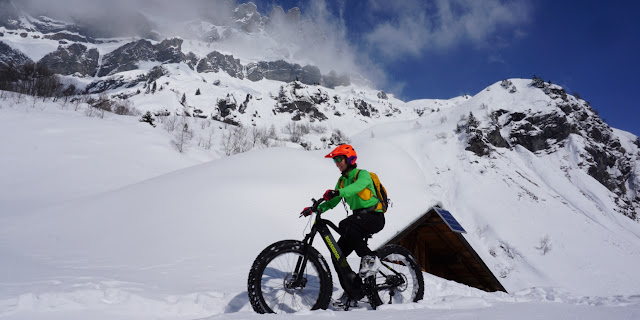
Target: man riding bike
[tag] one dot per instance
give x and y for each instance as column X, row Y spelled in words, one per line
column 356, row 187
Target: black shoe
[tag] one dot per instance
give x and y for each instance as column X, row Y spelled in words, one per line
column 345, row 302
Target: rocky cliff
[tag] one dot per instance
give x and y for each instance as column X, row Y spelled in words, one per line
column 566, row 122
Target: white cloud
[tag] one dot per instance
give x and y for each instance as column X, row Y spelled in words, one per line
column 413, row 27
column 122, row 17
column 334, row 51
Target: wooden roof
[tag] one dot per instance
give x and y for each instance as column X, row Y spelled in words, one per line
column 445, row 253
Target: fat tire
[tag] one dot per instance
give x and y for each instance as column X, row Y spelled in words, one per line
column 255, row 290
column 410, row 269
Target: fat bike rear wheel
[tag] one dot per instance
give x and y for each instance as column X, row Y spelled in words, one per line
column 271, row 284
column 399, row 279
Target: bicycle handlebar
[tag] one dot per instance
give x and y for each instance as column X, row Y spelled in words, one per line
column 316, row 203
column 314, row 207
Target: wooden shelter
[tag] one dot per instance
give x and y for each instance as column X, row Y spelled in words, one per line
column 437, row 242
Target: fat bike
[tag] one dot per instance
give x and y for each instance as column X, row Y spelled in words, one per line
column 290, row 275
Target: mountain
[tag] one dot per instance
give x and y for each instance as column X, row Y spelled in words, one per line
column 103, row 211
column 564, row 122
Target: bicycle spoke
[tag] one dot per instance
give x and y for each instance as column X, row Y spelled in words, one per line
column 283, row 297
column 395, row 266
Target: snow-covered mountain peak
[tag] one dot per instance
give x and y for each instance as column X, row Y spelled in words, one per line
column 543, row 119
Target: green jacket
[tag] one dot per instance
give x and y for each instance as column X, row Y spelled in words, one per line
column 359, row 194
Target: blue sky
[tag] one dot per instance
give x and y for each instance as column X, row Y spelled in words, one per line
column 442, row 49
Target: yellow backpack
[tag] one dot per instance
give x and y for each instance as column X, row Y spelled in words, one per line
column 381, row 192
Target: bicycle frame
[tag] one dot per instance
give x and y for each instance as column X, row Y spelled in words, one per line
column 337, row 258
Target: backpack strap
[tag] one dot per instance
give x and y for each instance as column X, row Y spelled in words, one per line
column 343, row 177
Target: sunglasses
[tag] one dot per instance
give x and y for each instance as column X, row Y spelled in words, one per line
column 339, row 159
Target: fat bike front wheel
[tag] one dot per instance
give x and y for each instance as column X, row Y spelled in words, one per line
column 274, row 286
column 399, row 279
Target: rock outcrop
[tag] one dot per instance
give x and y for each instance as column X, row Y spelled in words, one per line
column 68, row 60
column 216, row 61
column 12, row 57
column 128, row 56
column 296, row 100
column 247, row 18
column 283, row 71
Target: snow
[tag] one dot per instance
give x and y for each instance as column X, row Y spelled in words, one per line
column 102, row 218
column 35, row 50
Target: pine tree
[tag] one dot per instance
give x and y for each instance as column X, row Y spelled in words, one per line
column 538, row 82
column 472, row 123
column 148, row 118
column 183, row 101
column 198, row 92
column 153, row 89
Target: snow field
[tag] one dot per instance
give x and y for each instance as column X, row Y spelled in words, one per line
column 104, row 218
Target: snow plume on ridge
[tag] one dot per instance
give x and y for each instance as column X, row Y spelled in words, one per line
column 334, row 51
column 309, row 35
column 124, row 17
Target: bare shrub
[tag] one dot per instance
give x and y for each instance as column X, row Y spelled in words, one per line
column 296, row 131
column 205, row 123
column 259, row 137
column 77, row 101
column 272, row 132
column 317, row 128
column 102, row 102
column 207, row 141
column 32, row 79
column 183, row 135
column 338, row 137
column 91, row 111
column 170, row 122
column 124, row 107
column 278, row 144
column 545, row 245
column 235, row 141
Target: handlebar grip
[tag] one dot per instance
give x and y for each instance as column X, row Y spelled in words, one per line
column 314, row 207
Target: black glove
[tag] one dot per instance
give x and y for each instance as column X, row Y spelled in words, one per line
column 306, row 212
column 330, row 194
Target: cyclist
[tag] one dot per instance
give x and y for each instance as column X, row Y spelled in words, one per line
column 367, row 217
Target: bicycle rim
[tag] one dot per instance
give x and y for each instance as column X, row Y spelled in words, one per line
column 281, row 297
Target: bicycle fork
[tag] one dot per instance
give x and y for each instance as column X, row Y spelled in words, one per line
column 298, row 280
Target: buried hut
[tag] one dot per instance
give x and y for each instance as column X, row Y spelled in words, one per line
column 437, row 241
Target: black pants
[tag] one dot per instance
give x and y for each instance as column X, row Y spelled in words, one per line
column 354, row 230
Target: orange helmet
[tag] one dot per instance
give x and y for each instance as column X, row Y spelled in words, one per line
column 344, row 150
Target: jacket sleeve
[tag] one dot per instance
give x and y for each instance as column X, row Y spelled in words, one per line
column 325, row 206
column 364, row 180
